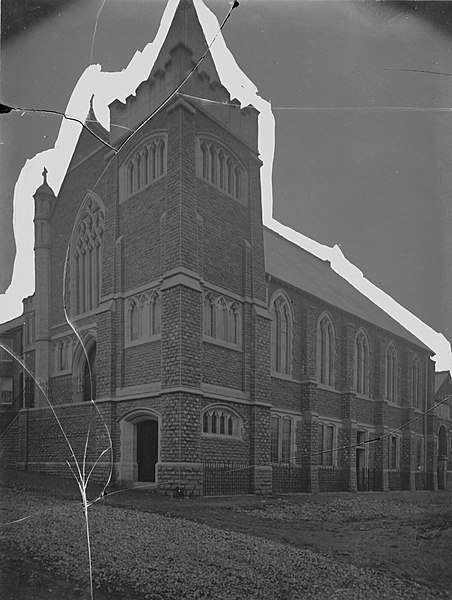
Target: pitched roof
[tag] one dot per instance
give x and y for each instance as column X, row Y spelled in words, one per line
column 298, row 267
column 440, row 378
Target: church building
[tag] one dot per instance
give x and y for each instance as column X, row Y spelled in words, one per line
column 222, row 358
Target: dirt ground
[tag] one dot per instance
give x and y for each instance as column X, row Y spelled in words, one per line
column 407, row 534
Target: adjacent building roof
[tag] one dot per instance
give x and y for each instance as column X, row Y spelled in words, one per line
column 298, row 267
column 440, row 378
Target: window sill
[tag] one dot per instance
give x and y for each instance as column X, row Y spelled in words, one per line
column 285, row 377
column 363, row 396
column 140, row 342
column 220, row 436
column 222, row 343
column 328, row 388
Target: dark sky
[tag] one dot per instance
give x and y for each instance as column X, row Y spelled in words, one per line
column 354, row 163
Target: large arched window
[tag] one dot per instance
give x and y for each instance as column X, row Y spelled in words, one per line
column 391, row 373
column 362, row 363
column 416, row 382
column 87, row 255
column 326, row 350
column 281, row 335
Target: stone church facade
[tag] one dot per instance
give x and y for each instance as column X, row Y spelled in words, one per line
column 222, row 358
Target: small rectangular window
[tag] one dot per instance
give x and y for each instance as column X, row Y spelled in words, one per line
column 6, row 389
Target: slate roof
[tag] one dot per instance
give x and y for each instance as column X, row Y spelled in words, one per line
column 291, row 264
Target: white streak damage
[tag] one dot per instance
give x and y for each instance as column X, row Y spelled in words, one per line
column 107, row 87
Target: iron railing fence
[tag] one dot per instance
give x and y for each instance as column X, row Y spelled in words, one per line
column 225, row 478
column 366, row 480
column 288, row 478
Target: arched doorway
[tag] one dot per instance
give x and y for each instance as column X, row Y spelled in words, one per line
column 84, row 369
column 89, row 374
column 140, row 444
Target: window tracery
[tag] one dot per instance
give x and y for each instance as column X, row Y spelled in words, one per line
column 62, row 355
column 221, row 422
column 87, row 255
column 221, row 319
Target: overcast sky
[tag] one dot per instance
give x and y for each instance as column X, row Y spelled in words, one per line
column 354, row 163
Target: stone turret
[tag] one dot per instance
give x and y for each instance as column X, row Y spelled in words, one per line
column 45, row 199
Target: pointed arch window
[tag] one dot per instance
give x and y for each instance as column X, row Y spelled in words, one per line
column 138, row 172
column 130, row 180
column 416, row 382
column 160, row 164
column 213, row 165
column 326, row 350
column 362, row 363
column 205, row 161
column 221, row 170
column 134, row 321
column 87, row 256
column 145, row 166
column 391, row 373
column 222, row 320
column 209, row 316
column 154, row 314
column 233, row 324
column 281, row 335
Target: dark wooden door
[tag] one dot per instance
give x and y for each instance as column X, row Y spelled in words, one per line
column 147, row 449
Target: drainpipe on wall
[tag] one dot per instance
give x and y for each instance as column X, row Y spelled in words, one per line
column 425, row 418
